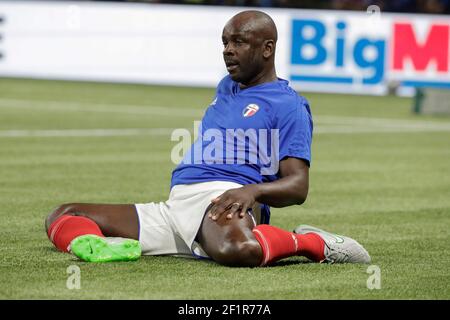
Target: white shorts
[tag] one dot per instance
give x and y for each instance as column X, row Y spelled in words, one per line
column 170, row 228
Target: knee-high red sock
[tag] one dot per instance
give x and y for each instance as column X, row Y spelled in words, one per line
column 277, row 244
column 66, row 228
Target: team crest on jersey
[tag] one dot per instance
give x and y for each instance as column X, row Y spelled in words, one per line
column 250, row 110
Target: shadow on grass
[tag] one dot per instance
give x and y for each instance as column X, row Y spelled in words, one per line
column 291, row 262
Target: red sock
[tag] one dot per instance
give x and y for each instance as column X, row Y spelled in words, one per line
column 277, row 244
column 66, row 228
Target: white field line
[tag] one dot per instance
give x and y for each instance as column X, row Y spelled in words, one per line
column 382, row 123
column 374, row 129
column 64, row 106
column 323, row 124
column 167, row 132
column 86, row 132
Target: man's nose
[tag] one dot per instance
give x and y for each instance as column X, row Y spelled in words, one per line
column 228, row 50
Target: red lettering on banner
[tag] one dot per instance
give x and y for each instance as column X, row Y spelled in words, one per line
column 435, row 47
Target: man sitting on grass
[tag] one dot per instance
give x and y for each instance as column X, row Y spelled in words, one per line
column 218, row 206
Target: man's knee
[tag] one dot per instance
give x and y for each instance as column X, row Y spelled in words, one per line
column 239, row 254
column 66, row 208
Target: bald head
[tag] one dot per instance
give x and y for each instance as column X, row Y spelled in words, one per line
column 257, row 23
column 249, row 40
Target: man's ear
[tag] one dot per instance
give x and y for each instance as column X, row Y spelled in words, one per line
column 269, row 48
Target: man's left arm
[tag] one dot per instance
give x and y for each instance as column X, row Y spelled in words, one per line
column 290, row 189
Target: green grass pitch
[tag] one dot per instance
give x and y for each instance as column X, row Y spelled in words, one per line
column 379, row 174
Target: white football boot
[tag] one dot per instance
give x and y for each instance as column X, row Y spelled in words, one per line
column 338, row 249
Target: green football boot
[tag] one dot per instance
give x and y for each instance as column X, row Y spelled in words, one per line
column 92, row 248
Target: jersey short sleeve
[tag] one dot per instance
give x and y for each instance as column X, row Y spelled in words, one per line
column 295, row 130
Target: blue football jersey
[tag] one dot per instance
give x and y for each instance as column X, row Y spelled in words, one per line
column 245, row 133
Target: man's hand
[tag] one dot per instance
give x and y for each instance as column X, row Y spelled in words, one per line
column 237, row 200
column 290, row 189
